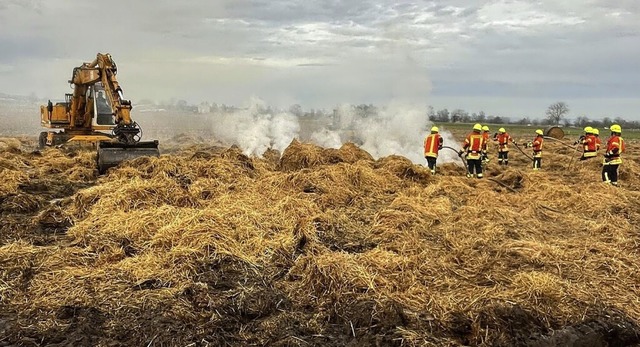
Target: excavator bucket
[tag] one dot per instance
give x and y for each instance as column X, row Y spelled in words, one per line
column 111, row 154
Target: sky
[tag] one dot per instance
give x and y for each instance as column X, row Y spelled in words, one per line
column 509, row 58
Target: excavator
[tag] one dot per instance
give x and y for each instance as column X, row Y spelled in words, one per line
column 97, row 113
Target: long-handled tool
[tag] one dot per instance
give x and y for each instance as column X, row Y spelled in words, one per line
column 561, row 142
column 572, row 157
column 521, row 151
column 502, row 184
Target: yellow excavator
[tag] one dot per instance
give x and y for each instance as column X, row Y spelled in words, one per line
column 97, row 113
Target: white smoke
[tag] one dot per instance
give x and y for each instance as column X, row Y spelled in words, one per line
column 326, row 138
column 397, row 128
column 256, row 128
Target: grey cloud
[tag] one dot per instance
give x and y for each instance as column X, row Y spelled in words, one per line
column 325, row 52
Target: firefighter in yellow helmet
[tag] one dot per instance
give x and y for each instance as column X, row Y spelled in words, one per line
column 485, row 136
column 503, row 139
column 596, row 134
column 612, row 160
column 589, row 144
column 536, row 145
column 432, row 144
column 472, row 146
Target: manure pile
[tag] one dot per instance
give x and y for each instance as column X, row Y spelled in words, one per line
column 314, row 247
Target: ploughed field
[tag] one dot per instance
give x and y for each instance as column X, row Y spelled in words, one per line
column 315, row 247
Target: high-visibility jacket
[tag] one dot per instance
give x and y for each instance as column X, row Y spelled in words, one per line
column 503, row 142
column 537, row 146
column 473, row 145
column 432, row 144
column 590, row 146
column 485, row 137
column 615, row 147
column 598, row 142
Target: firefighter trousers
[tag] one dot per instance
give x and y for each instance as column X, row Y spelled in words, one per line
column 537, row 163
column 503, row 158
column 474, row 165
column 431, row 163
column 610, row 173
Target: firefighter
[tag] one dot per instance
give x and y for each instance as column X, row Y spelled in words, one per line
column 596, row 133
column 536, row 144
column 587, row 130
column 432, row 144
column 503, row 139
column 472, row 146
column 589, row 144
column 612, row 160
column 485, row 136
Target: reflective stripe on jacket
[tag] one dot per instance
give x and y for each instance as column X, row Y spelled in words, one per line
column 537, row 146
column 432, row 144
column 473, row 144
column 615, row 147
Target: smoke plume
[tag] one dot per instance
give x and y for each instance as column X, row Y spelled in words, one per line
column 397, row 128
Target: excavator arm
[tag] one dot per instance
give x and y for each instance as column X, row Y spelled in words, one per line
column 99, row 76
column 108, row 71
column 103, row 69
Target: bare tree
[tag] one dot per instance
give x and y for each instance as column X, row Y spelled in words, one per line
column 556, row 112
column 582, row 121
column 480, row 117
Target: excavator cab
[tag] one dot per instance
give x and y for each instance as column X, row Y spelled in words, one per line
column 103, row 113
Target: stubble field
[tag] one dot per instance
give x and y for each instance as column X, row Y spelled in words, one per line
column 314, row 247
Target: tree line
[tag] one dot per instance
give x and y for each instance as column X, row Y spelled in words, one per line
column 556, row 114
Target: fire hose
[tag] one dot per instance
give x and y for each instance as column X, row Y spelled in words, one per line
column 521, row 151
column 464, row 162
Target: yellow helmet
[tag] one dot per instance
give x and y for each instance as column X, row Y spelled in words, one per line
column 596, row 131
column 588, row 130
column 434, row 129
column 539, row 132
column 477, row 127
column 501, row 130
column 485, row 128
column 616, row 129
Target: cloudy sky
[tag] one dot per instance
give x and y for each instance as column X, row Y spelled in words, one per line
column 506, row 57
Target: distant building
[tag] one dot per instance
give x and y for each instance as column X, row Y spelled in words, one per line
column 204, row 107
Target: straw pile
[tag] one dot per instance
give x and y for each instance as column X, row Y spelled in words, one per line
column 322, row 247
column 555, row 132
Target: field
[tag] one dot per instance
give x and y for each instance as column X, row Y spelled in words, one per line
column 206, row 246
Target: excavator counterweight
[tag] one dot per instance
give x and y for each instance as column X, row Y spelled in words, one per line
column 97, row 113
